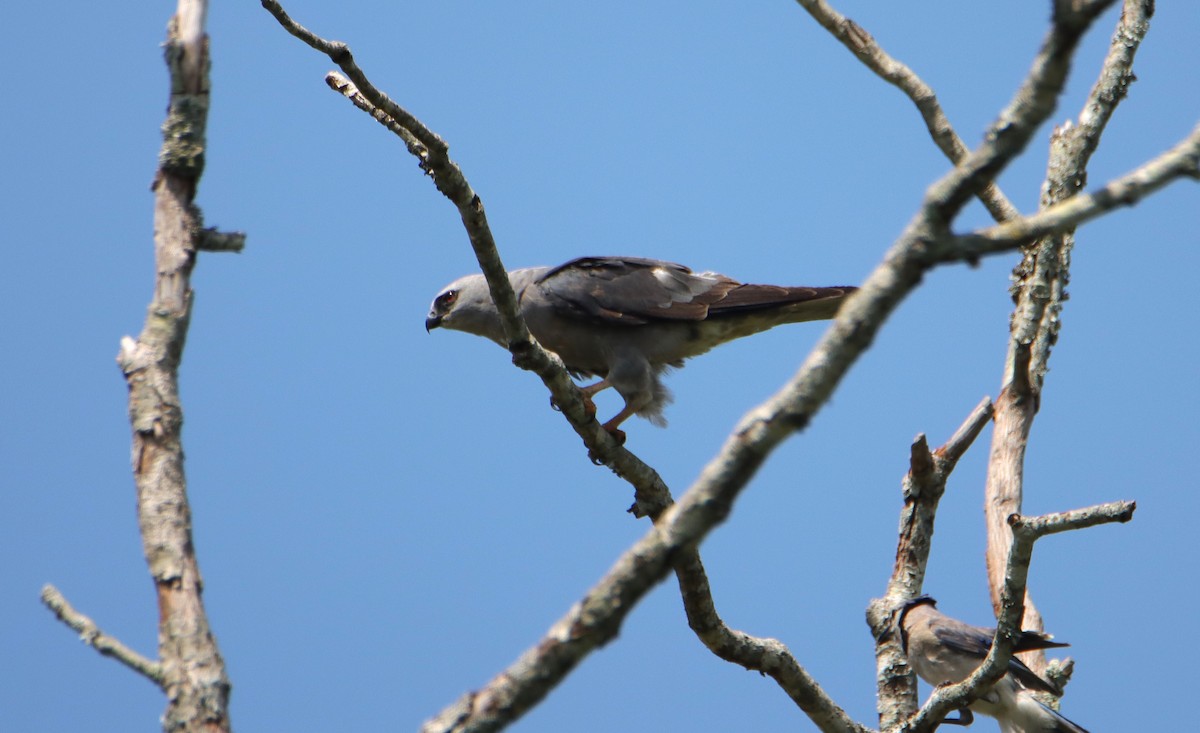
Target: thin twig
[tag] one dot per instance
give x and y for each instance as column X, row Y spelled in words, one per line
column 433, row 155
column 90, row 634
column 1181, row 161
column 766, row 656
column 867, row 50
column 346, row 88
column 212, row 240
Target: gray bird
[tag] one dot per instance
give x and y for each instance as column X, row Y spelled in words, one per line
column 943, row 650
column 628, row 319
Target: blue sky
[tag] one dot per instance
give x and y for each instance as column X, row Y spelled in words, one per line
column 386, row 518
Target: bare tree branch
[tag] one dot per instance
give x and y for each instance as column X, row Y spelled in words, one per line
column 1181, row 161
column 1039, row 290
column 767, row 656
column 863, row 315
column 211, row 240
column 1026, row 531
column 346, row 88
column 867, row 50
column 710, row 498
column 680, row 528
column 90, row 634
column 852, row 331
column 924, row 486
column 1072, row 144
column 432, row 152
column 190, row 669
column 193, row 671
column 653, row 497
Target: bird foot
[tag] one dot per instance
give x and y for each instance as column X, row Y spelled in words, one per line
column 616, row 433
column 589, row 407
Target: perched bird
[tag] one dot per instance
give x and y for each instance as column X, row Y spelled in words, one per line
column 944, row 650
column 627, row 319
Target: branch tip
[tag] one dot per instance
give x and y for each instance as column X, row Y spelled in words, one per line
column 920, row 460
column 212, row 240
column 90, row 634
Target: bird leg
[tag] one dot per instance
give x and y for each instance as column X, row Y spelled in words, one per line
column 611, row 426
column 595, row 387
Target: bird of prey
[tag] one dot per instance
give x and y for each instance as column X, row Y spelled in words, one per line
column 943, row 650
column 627, row 320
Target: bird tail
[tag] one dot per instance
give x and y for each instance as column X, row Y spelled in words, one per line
column 1034, row 717
column 801, row 303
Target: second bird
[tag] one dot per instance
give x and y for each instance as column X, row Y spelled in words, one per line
column 944, row 650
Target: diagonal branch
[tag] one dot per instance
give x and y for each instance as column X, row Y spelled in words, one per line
column 681, row 527
column 1181, row 161
column 709, row 500
column 924, row 486
column 653, row 497
column 867, row 50
column 766, row 656
column 90, row 634
column 433, row 156
column 910, row 257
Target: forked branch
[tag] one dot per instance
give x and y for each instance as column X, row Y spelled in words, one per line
column 190, row 669
column 1026, row 531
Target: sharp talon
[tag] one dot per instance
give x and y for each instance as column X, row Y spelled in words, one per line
column 617, row 435
column 594, row 457
column 589, row 407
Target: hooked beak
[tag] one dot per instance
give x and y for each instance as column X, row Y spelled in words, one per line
column 432, row 322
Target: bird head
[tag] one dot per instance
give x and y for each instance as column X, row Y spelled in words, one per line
column 466, row 305
column 902, row 612
column 440, row 308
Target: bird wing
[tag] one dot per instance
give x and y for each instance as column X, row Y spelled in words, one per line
column 976, row 641
column 631, row 290
column 973, row 641
column 636, row 291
